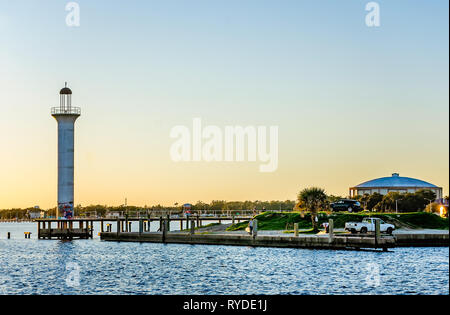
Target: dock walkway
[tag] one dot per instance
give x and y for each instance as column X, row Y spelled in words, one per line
column 303, row 241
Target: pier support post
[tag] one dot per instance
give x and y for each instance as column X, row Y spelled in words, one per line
column 118, row 227
column 232, row 220
column 9, row 235
column 377, row 232
column 168, row 223
column 330, row 230
column 141, row 226
column 192, row 227
column 164, row 231
column 295, row 229
column 255, row 228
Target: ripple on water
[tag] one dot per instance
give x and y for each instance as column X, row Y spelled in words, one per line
column 39, row 267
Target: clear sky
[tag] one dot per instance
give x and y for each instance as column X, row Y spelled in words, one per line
column 352, row 103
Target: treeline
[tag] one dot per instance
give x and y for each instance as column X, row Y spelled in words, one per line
column 20, row 214
column 404, row 202
column 102, row 210
column 216, row 205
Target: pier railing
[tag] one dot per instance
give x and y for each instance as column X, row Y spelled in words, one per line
column 66, row 111
column 200, row 213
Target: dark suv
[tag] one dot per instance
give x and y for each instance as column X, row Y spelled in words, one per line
column 346, row 205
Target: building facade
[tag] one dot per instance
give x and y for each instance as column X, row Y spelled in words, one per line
column 395, row 183
column 36, row 214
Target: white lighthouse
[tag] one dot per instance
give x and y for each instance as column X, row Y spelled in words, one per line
column 66, row 115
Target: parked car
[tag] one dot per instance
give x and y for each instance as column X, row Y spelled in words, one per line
column 368, row 225
column 346, row 205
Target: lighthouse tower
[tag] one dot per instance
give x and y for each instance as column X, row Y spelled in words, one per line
column 65, row 115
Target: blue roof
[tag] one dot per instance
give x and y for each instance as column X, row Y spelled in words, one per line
column 396, row 181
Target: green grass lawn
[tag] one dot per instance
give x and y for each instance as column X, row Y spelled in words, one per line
column 285, row 220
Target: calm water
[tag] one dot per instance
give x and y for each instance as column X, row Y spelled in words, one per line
column 39, row 267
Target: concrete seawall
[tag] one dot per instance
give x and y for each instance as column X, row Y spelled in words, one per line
column 313, row 241
column 422, row 240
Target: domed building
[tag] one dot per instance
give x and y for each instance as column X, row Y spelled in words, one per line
column 395, row 183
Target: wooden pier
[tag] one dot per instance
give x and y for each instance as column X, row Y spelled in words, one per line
column 65, row 229
column 312, row 241
column 83, row 228
column 328, row 241
column 119, row 230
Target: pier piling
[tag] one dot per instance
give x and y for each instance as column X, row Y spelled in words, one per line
column 255, row 228
column 164, row 230
column 377, row 232
column 330, row 231
column 192, row 227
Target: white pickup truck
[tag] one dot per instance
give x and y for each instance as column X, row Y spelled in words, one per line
column 368, row 225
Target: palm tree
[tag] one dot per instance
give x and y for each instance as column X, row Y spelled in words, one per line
column 312, row 200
